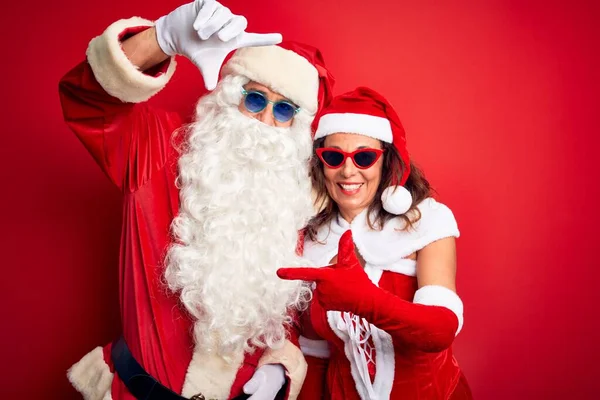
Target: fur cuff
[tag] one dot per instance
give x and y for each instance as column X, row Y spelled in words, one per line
column 113, row 70
column 435, row 295
column 294, row 363
column 91, row 376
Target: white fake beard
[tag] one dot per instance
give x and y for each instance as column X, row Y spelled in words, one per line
column 245, row 192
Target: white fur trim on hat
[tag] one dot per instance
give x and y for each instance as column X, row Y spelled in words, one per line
column 113, row 70
column 435, row 295
column 396, row 200
column 283, row 71
column 361, row 124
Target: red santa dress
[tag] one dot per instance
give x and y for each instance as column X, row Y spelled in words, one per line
column 359, row 360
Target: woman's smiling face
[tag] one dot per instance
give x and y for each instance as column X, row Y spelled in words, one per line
column 352, row 188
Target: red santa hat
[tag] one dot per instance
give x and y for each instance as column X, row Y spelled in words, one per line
column 363, row 111
column 294, row 70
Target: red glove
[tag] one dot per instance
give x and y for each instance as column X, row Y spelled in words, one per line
column 345, row 286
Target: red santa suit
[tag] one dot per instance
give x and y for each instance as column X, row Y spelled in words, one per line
column 131, row 142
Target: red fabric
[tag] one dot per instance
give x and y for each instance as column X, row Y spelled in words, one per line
column 314, row 384
column 131, row 31
column 424, row 365
column 326, row 78
column 462, row 391
column 245, row 373
column 417, row 374
column 106, row 351
column 132, row 145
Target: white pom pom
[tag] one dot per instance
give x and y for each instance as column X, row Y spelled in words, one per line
column 396, row 200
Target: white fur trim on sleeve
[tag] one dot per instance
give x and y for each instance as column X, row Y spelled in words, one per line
column 113, row 70
column 292, row 359
column 314, row 348
column 91, row 376
column 362, row 124
column 435, row 295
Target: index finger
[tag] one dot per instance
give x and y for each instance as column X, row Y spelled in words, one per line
column 258, row 39
column 304, row 274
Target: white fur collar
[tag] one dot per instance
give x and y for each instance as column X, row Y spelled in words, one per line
column 385, row 249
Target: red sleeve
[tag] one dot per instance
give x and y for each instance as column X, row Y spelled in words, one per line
column 129, row 141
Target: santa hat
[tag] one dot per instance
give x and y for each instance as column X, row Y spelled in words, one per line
column 365, row 112
column 294, row 70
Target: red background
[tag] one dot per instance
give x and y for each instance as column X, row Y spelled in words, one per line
column 497, row 98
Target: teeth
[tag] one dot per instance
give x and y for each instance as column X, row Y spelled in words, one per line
column 350, row 187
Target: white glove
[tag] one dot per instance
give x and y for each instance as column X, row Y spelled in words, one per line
column 190, row 29
column 266, row 382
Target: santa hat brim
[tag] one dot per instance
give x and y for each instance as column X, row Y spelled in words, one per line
column 282, row 70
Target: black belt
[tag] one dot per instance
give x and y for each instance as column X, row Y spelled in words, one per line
column 140, row 383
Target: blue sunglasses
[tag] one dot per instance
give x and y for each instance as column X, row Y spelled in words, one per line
column 255, row 102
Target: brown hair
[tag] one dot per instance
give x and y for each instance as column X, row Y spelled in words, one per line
column 417, row 185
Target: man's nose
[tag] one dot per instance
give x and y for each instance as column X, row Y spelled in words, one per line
column 266, row 115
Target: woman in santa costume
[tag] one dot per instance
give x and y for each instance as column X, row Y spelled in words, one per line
column 385, row 310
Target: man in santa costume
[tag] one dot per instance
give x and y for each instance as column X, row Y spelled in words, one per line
column 211, row 209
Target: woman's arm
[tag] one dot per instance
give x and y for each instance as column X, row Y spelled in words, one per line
column 425, row 324
column 436, row 277
column 436, row 264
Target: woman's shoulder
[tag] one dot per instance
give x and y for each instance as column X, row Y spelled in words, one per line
column 435, row 217
column 395, row 241
column 390, row 244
